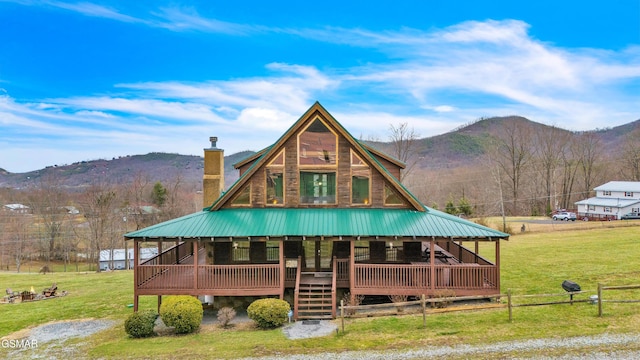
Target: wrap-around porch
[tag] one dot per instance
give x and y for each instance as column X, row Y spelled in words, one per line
column 361, row 267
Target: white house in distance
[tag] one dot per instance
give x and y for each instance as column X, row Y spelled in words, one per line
column 612, row 200
column 16, row 208
column 115, row 259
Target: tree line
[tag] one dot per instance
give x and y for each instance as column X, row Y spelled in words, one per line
column 71, row 226
column 527, row 171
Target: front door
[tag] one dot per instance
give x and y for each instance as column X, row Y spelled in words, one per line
column 318, row 255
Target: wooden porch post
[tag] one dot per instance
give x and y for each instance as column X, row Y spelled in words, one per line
column 432, row 260
column 498, row 263
column 282, row 266
column 477, row 251
column 195, row 266
column 136, row 257
column 352, row 265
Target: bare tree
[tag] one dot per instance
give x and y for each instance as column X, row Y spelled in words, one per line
column 631, row 156
column 100, row 209
column 135, row 197
column 589, row 152
column 551, row 143
column 569, row 165
column 513, row 152
column 17, row 236
column 47, row 201
column 404, row 141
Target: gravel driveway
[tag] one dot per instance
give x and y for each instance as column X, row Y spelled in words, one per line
column 51, row 339
column 583, row 347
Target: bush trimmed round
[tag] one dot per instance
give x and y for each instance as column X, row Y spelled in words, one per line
column 140, row 324
column 269, row 313
column 183, row 312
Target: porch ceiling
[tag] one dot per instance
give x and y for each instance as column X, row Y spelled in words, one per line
column 311, row 222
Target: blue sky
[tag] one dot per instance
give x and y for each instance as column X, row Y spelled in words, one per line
column 100, row 79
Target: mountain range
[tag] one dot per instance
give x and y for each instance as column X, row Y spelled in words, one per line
column 458, row 148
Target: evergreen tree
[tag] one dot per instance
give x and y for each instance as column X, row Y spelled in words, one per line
column 464, row 207
column 159, row 194
column 450, row 207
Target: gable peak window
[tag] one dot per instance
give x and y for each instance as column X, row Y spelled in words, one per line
column 317, row 145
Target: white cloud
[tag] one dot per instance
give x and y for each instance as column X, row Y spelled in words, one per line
column 95, row 10
column 433, row 80
column 183, row 19
column 444, row 108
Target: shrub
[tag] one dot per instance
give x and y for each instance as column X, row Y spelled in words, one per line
column 444, row 294
column 349, row 300
column 225, row 315
column 183, row 312
column 140, row 324
column 269, row 313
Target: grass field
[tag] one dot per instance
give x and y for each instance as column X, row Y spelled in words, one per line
column 532, row 263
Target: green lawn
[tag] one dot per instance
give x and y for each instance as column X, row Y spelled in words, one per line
column 532, row 263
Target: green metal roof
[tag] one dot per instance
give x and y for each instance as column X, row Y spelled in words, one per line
column 311, row 222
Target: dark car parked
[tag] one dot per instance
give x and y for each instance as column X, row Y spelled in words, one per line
column 630, row 216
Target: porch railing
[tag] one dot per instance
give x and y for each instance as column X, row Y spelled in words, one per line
column 259, row 276
column 210, row 277
column 368, row 278
column 165, row 277
column 242, row 254
column 416, row 278
column 464, row 254
column 342, row 272
column 172, row 255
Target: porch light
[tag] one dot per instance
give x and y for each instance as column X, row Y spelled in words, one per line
column 235, row 246
column 391, row 245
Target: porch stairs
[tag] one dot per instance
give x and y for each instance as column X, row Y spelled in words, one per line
column 314, row 297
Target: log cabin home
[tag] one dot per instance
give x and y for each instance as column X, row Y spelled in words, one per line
column 316, row 215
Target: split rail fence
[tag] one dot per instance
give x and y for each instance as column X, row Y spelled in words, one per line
column 353, row 311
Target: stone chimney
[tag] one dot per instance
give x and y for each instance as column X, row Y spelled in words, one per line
column 213, row 178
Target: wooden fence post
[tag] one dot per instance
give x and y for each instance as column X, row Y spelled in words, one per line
column 599, row 300
column 509, row 305
column 423, row 302
column 342, row 314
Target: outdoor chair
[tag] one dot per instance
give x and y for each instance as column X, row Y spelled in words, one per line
column 48, row 292
column 12, row 295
